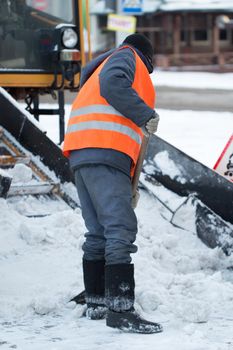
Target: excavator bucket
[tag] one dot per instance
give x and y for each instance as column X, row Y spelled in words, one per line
column 27, row 132
column 210, row 194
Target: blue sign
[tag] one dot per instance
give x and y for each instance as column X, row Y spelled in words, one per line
column 132, row 6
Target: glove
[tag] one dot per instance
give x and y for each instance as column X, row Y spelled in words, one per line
column 135, row 199
column 152, row 124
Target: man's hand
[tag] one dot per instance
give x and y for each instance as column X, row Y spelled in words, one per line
column 152, row 124
column 135, row 199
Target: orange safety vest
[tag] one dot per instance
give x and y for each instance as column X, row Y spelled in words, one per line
column 94, row 123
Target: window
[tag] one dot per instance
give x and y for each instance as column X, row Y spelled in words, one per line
column 201, row 27
column 223, row 34
column 200, row 35
column 54, row 8
column 182, row 35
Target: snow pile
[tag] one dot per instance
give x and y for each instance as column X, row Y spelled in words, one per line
column 21, row 173
column 32, row 253
column 168, row 167
column 181, row 275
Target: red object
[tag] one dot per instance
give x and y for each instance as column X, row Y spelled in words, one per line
column 224, row 164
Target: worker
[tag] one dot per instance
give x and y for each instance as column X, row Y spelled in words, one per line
column 110, row 115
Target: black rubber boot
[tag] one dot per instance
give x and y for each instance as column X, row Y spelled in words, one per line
column 93, row 275
column 119, row 293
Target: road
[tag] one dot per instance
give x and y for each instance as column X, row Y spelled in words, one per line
column 194, row 99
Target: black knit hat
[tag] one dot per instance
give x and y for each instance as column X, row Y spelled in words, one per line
column 141, row 43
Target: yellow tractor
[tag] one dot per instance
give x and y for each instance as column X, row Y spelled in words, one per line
column 42, row 50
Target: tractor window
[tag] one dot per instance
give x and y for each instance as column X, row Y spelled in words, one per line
column 54, row 8
column 28, row 35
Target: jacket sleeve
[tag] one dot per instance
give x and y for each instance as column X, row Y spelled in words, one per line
column 116, row 79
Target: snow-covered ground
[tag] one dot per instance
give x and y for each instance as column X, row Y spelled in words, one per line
column 195, row 80
column 179, row 281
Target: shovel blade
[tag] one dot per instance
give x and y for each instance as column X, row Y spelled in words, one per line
column 213, row 230
column 206, row 224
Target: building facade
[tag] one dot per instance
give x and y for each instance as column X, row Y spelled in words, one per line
column 186, row 33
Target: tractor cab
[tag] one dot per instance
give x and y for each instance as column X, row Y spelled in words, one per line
column 41, row 48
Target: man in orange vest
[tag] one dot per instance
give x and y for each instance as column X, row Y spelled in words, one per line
column 113, row 110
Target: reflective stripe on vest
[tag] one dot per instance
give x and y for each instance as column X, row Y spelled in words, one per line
column 106, row 109
column 100, row 124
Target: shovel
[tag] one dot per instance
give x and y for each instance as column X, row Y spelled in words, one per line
column 138, row 167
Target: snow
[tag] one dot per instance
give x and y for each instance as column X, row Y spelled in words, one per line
column 175, row 5
column 4, row 173
column 168, row 166
column 183, row 285
column 169, row 199
column 21, row 173
column 201, row 134
column 202, row 80
column 20, row 108
column 184, row 215
column 190, row 5
column 179, row 281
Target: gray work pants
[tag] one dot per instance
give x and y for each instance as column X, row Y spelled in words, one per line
column 105, row 195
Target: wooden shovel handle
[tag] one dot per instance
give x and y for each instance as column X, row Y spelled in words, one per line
column 139, row 164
